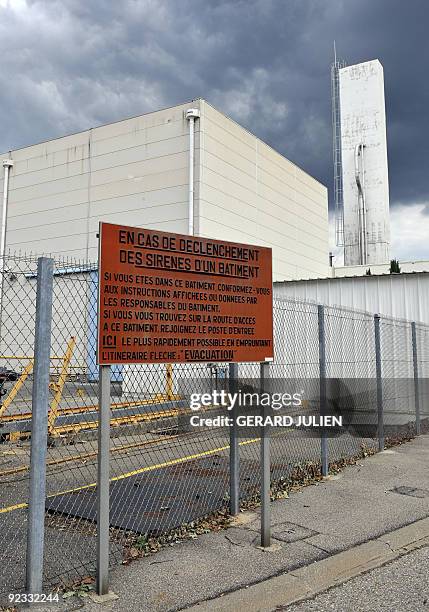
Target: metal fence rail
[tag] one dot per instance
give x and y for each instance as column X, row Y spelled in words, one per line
column 165, row 475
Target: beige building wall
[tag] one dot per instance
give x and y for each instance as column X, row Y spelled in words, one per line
column 135, row 172
column 132, row 172
column 251, row 193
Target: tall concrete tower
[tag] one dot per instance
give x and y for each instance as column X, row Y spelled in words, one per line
column 360, row 163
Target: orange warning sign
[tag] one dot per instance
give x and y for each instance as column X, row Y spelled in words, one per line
column 173, row 298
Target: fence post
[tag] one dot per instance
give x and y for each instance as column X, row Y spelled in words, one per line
column 380, row 417
column 416, row 376
column 322, row 388
column 234, row 454
column 265, row 469
column 39, row 427
column 103, row 482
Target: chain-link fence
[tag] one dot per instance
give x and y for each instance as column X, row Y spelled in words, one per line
column 164, row 474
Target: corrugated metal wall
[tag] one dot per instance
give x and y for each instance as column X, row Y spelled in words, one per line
column 404, row 296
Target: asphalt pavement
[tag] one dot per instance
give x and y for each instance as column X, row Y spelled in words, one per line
column 368, row 515
column 401, row 585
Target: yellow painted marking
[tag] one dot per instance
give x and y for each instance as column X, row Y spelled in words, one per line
column 15, row 507
column 148, row 468
column 144, row 416
column 169, row 387
column 59, row 386
column 94, row 407
column 25, row 357
column 16, row 387
column 14, row 436
column 118, row 449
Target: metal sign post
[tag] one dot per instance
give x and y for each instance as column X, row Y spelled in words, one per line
column 234, row 456
column 322, row 389
column 416, row 376
column 174, row 298
column 103, row 482
column 378, row 371
column 265, row 470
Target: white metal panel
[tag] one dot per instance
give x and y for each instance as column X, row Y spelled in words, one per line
column 51, row 174
column 48, row 245
column 405, row 296
column 133, row 171
column 150, row 137
column 19, row 298
column 45, row 189
column 133, row 185
column 251, row 193
column 144, row 206
column 244, row 159
column 156, row 219
column 137, row 154
column 67, row 199
column 38, row 220
column 142, row 122
column 74, row 144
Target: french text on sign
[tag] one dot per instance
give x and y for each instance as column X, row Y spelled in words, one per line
column 173, row 298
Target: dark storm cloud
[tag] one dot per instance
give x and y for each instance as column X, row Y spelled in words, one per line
column 69, row 65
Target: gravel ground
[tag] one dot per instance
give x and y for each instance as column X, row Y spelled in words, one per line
column 400, row 585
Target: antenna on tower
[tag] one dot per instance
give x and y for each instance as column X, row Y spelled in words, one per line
column 336, row 148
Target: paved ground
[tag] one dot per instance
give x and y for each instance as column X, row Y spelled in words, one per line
column 161, row 467
column 400, row 585
column 311, row 526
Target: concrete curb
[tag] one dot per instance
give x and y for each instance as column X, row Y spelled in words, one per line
column 310, row 580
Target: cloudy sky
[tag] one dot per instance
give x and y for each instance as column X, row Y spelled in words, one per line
column 72, row 64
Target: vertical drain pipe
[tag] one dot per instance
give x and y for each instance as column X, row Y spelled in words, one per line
column 191, row 114
column 359, row 176
column 365, row 234
column 7, row 165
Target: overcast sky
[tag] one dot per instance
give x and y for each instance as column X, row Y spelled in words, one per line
column 72, row 64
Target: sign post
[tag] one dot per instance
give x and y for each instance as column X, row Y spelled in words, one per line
column 103, row 496
column 234, row 455
column 174, row 298
column 265, row 468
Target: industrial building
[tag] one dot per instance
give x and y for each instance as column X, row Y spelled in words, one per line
column 191, row 169
column 185, row 169
column 405, row 295
column 361, row 182
column 419, row 265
